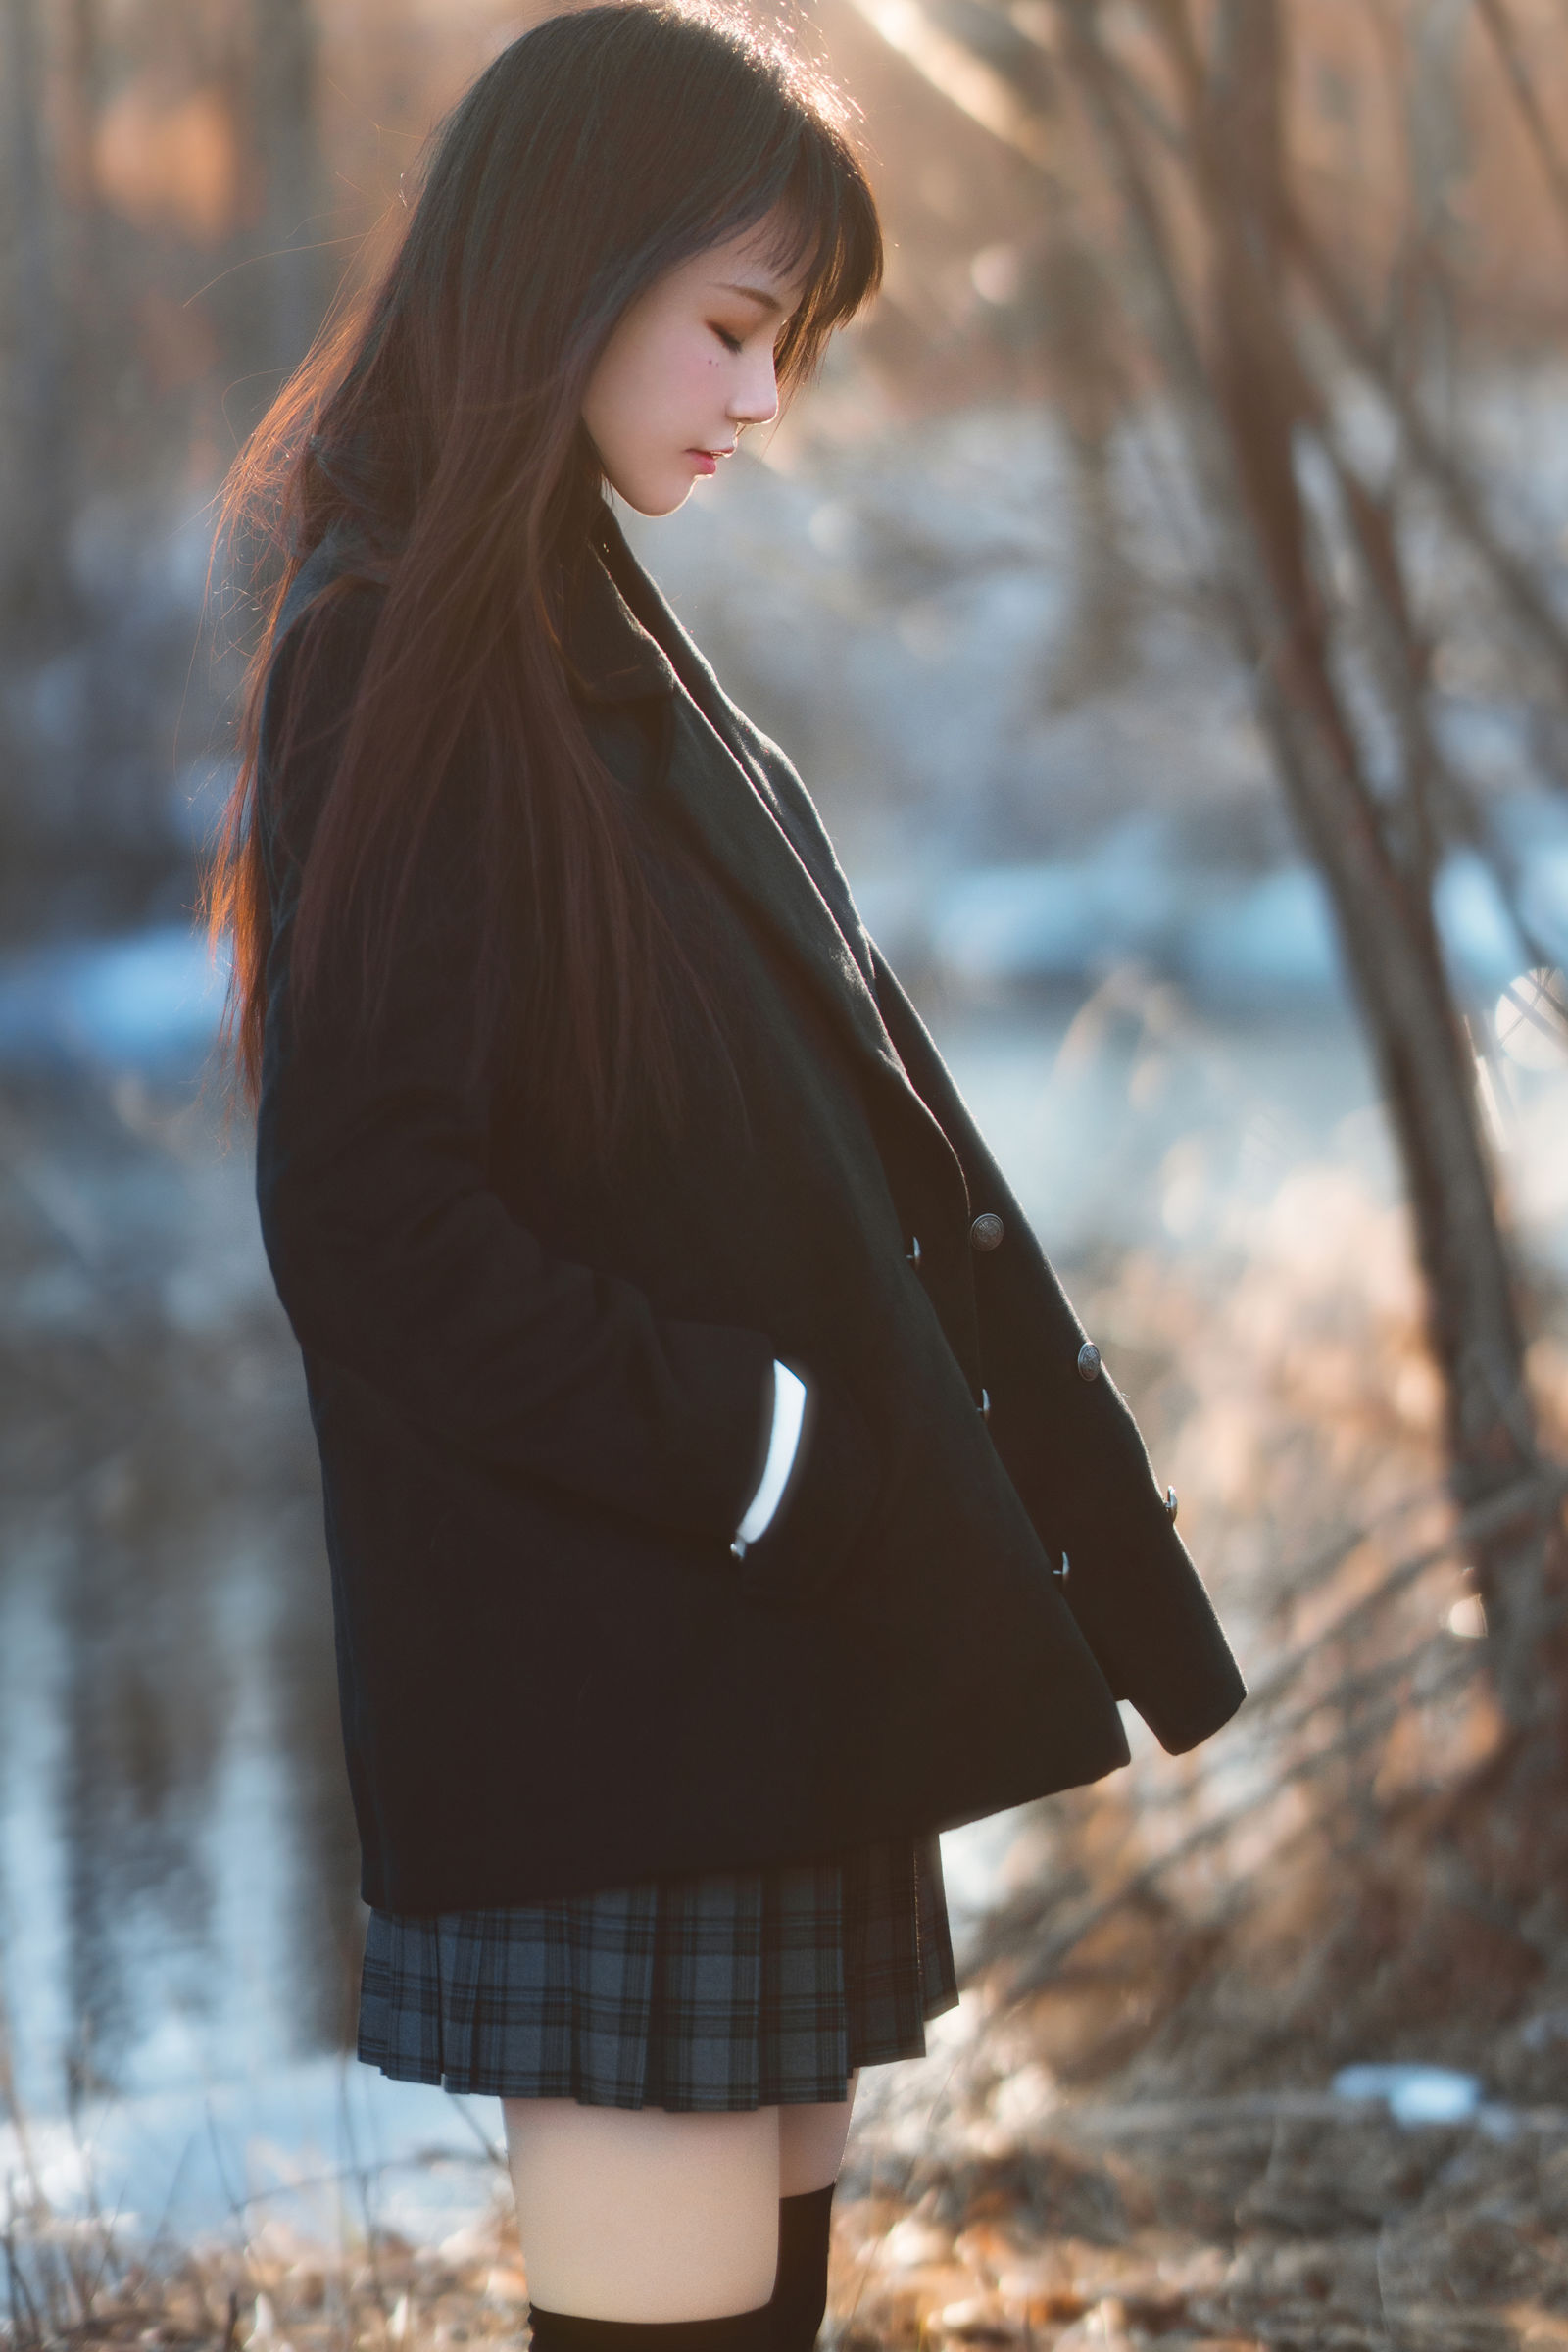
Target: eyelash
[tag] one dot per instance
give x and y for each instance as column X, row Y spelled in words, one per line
column 730, row 342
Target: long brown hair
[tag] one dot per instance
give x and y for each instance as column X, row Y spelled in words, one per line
column 438, row 420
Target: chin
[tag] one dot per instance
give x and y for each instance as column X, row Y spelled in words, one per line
column 654, row 498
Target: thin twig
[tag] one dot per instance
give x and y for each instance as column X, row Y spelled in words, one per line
column 1512, row 576
column 1349, row 1743
column 1477, row 1526
column 1504, row 39
column 359, row 2173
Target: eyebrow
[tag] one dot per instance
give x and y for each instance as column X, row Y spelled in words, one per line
column 756, row 294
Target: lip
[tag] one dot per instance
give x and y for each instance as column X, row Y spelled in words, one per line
column 707, row 459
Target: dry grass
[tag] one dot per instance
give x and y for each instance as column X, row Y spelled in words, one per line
column 1286, row 2221
column 1195, row 2225
column 278, row 2292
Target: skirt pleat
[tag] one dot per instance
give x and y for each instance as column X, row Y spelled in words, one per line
column 718, row 1990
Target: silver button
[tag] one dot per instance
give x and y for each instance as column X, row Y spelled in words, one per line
column 985, row 1405
column 912, row 1253
column 987, row 1231
column 1170, row 1503
column 1062, row 1573
column 1089, row 1362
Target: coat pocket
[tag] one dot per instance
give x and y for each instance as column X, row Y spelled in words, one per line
column 827, row 1506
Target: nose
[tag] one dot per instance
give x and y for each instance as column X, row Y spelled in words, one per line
column 755, row 399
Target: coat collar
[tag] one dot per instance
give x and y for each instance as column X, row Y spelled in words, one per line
column 770, row 847
column 624, row 639
column 612, row 655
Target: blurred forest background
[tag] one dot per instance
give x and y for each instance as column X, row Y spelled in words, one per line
column 1164, row 592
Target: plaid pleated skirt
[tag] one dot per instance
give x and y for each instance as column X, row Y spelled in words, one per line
column 721, row 1990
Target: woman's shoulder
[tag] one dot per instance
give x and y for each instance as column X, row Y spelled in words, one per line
column 320, row 642
column 331, row 607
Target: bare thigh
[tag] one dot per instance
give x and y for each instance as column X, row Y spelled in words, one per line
column 633, row 2214
column 810, row 2144
column 637, row 2215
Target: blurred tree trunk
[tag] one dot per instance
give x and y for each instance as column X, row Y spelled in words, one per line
column 1376, row 856
column 36, row 591
column 80, row 97
column 1091, row 393
column 1229, row 351
column 290, row 181
column 1246, row 401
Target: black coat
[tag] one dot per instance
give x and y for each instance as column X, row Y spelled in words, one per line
column 541, row 1402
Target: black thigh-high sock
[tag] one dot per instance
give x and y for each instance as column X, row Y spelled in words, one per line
column 800, row 2292
column 565, row 2332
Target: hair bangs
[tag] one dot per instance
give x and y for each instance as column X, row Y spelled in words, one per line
column 829, row 210
column 813, row 211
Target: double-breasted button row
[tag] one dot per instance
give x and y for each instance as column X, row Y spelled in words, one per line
column 984, row 1234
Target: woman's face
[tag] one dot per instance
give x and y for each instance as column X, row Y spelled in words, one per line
column 687, row 365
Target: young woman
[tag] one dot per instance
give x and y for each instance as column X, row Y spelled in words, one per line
column 720, row 1494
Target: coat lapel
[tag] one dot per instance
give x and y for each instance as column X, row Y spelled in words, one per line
column 744, row 834
column 624, row 639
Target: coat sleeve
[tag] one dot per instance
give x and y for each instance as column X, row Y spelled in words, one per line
column 392, row 1254
column 1073, row 1450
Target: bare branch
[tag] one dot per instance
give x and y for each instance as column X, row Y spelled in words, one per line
column 1512, row 574
column 972, row 85
column 1505, row 40
column 1352, row 1741
column 1530, row 1499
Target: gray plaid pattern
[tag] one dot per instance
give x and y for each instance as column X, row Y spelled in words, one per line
column 727, row 1989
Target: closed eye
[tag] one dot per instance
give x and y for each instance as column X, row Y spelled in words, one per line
column 730, row 342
